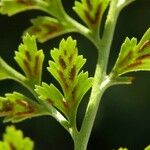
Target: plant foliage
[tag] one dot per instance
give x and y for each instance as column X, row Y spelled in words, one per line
column 66, row 66
column 91, row 12
column 133, row 56
column 65, row 69
column 13, row 140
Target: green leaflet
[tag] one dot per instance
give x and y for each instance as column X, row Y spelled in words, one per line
column 12, row 7
column 16, row 107
column 133, row 56
column 66, row 64
column 13, row 140
column 91, row 12
column 30, row 59
column 52, row 96
column 147, row 148
column 45, row 28
column 19, row 106
column 65, row 69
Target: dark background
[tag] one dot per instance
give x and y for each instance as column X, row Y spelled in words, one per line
column 124, row 115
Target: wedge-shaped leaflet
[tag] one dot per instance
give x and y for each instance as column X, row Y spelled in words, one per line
column 133, row 56
column 13, row 140
column 16, row 107
column 65, row 68
column 45, row 28
column 52, row 96
column 12, row 7
column 30, row 59
column 66, row 64
column 91, row 12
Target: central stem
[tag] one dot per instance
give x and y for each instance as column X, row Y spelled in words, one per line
column 83, row 137
column 99, row 85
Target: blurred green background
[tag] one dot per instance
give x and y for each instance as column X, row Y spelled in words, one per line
column 124, row 115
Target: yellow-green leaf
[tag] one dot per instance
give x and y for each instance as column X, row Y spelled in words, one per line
column 12, row 7
column 30, row 59
column 52, row 96
column 65, row 68
column 133, row 56
column 16, row 107
column 45, row 28
column 91, row 12
column 13, row 140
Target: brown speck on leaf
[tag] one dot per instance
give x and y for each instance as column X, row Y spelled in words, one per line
column 36, row 66
column 146, row 56
column 51, row 102
column 29, row 110
column 65, row 52
column 88, row 17
column 35, row 30
column 74, row 93
column 61, row 75
column 89, row 5
column 27, row 66
column 70, row 58
column 66, row 106
column 12, row 147
column 98, row 13
column 28, row 56
column 26, row 2
column 144, row 46
column 7, row 106
column 93, row 20
column 51, row 29
column 62, row 62
column 73, row 73
column 124, row 61
column 134, row 65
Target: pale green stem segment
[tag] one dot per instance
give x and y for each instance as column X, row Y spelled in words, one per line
column 100, row 84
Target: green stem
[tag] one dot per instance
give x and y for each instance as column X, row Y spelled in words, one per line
column 109, row 31
column 100, row 84
column 83, row 136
